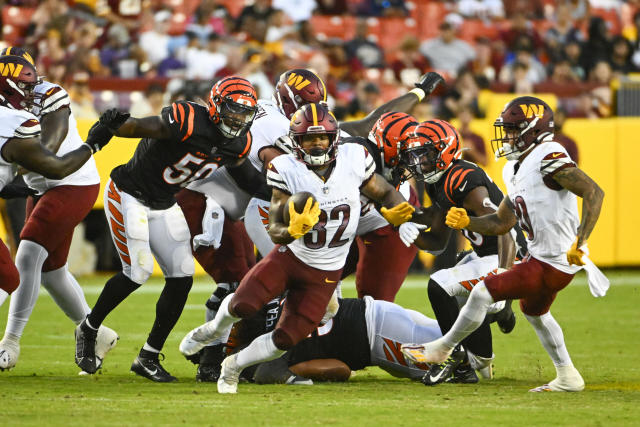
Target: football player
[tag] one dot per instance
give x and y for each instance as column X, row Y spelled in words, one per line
column 187, row 142
column 311, row 248
column 431, row 153
column 542, row 184
column 20, row 144
column 52, row 213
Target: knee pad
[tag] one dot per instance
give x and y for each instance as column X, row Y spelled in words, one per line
column 141, row 264
column 282, row 340
column 177, row 224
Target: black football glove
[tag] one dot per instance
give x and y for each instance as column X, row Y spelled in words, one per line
column 14, row 191
column 429, row 82
column 113, row 119
column 102, row 131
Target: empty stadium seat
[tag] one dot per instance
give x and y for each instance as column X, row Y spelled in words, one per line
column 342, row 27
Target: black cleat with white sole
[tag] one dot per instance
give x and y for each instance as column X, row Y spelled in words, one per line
column 439, row 373
column 86, row 348
column 464, row 374
column 147, row 365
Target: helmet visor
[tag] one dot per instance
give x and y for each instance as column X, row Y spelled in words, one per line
column 235, row 118
column 421, row 162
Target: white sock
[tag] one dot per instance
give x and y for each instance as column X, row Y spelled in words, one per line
column 550, row 335
column 471, row 315
column 147, row 347
column 3, row 296
column 67, row 293
column 29, row 260
column 223, row 320
column 262, row 349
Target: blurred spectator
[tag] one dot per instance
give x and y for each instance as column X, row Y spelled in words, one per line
column 204, row 63
column 473, row 146
column 562, row 32
column 296, row 10
column 620, row 59
column 81, row 97
column 50, row 14
column 332, row 7
column 254, row 71
column 409, row 64
column 362, row 49
column 520, row 82
column 422, row 111
column 463, row 95
column 573, row 54
column 562, row 73
column 254, row 18
column 579, row 9
column 447, row 52
column 83, row 56
column 277, row 32
column 521, row 28
column 602, row 96
column 149, row 104
column 366, row 100
column 116, row 50
column 483, row 9
column 483, row 66
column 524, row 60
column 201, row 27
column 559, row 117
column 382, row 8
column 155, row 42
column 587, row 106
column 531, row 9
column 122, row 12
column 598, row 46
column 52, row 59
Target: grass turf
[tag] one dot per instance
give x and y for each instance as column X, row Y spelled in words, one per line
column 602, row 336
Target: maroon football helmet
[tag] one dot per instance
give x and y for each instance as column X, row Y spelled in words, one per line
column 18, row 79
column 524, row 122
column 296, row 88
column 314, row 119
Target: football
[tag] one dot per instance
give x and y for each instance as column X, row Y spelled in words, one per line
column 299, row 200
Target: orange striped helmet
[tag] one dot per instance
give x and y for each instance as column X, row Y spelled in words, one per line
column 296, row 88
column 389, row 132
column 233, row 105
column 17, row 51
column 430, row 150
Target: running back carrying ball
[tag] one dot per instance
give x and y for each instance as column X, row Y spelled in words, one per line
column 298, row 200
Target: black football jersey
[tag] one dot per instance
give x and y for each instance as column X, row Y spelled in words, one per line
column 451, row 190
column 344, row 338
column 159, row 168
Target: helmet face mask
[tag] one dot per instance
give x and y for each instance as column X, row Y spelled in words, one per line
column 421, row 163
column 233, row 106
column 235, row 118
column 17, row 85
column 307, row 124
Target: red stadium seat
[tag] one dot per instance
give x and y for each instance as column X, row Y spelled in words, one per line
column 16, row 20
column 394, row 30
column 179, row 22
column 472, row 29
column 234, row 6
column 611, row 17
column 430, row 15
column 342, row 27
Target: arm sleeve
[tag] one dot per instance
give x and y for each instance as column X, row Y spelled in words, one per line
column 275, row 180
column 54, row 99
column 27, row 129
column 554, row 162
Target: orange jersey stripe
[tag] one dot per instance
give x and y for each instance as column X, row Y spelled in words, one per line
column 125, row 258
column 123, row 248
column 113, row 193
column 181, row 108
column 117, row 215
column 118, row 231
column 190, row 126
column 248, row 146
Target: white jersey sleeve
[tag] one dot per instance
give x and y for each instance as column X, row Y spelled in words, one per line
column 14, row 124
column 51, row 97
column 269, row 125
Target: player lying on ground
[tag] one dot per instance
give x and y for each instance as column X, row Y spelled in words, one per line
column 542, row 185
column 312, row 243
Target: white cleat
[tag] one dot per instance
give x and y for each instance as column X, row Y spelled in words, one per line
column 229, row 375
column 9, row 352
column 106, row 339
column 571, row 381
column 197, row 339
column 430, row 352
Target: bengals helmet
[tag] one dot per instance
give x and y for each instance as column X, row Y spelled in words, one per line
column 389, row 133
column 18, row 79
column 17, row 51
column 296, row 88
column 314, row 119
column 430, row 150
column 524, row 122
column 233, row 105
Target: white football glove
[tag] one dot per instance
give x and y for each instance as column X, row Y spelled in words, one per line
column 409, row 232
column 212, row 224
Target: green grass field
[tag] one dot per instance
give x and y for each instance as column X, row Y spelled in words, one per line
column 603, row 337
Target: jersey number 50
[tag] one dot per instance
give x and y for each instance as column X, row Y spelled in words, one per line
column 182, row 174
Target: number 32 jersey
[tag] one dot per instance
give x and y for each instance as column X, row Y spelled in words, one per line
column 326, row 246
column 159, row 168
column 547, row 212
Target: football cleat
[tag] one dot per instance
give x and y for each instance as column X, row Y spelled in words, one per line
column 86, row 348
column 106, row 339
column 571, row 381
column 431, row 352
column 463, row 374
column 439, row 373
column 209, row 359
column 208, row 373
column 298, row 380
column 229, row 375
column 506, row 318
column 147, row 365
column 9, row 352
column 197, row 339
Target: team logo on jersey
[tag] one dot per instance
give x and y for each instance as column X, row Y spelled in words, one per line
column 297, row 81
column 532, row 110
column 10, row 69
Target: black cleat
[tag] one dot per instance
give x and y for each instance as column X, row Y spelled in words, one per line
column 464, row 374
column 86, row 348
column 211, row 358
column 208, row 373
column 444, row 371
column 506, row 318
column 148, row 365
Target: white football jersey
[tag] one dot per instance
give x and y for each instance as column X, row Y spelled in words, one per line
column 327, row 245
column 547, row 212
column 14, row 124
column 51, row 98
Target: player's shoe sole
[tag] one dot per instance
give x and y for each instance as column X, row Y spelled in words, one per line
column 431, row 352
column 9, row 353
column 229, row 375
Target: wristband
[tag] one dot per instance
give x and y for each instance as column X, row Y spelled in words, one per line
column 89, row 147
column 419, row 93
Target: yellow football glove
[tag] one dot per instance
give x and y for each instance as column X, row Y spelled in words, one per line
column 575, row 254
column 457, row 218
column 301, row 223
column 399, row 214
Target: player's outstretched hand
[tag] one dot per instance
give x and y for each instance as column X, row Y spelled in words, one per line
column 409, row 232
column 301, row 223
column 399, row 214
column 429, row 82
column 575, row 254
column 457, row 218
column 113, row 119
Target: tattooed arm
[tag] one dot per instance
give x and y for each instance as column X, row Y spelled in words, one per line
column 580, row 184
